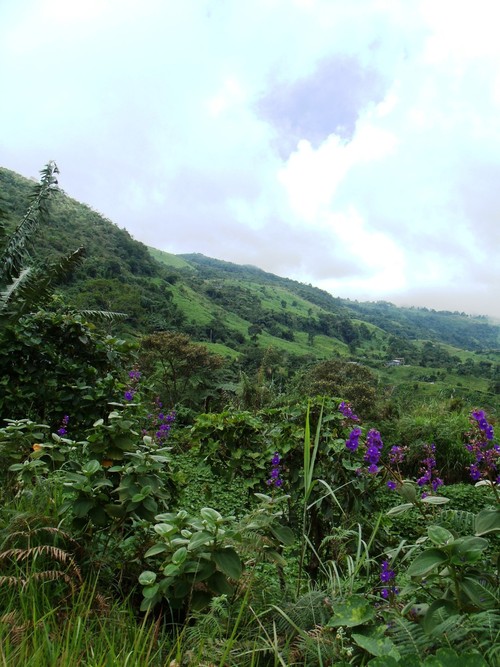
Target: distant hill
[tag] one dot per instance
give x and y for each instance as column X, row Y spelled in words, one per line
column 234, row 308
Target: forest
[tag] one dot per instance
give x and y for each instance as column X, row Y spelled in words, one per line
column 206, row 464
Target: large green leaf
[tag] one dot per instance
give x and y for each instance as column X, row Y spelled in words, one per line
column 354, row 611
column 447, row 657
column 427, row 561
column 377, row 646
column 228, row 561
column 487, row 521
column 284, row 534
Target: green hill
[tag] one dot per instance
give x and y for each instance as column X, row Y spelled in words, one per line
column 242, row 308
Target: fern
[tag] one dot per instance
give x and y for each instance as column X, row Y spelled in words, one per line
column 460, row 521
column 15, row 252
column 409, row 637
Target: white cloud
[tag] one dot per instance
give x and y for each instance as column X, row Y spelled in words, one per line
column 154, row 113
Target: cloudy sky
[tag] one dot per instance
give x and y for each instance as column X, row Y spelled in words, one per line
column 351, row 144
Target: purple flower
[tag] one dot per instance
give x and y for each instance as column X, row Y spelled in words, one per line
column 346, row 410
column 391, row 484
column 374, row 446
column 352, row 443
column 275, row 479
column 386, row 574
column 486, row 453
column 129, row 395
column 62, row 430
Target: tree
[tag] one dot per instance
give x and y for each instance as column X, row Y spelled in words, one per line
column 342, row 379
column 181, row 370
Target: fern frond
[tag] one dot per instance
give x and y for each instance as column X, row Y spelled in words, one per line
column 461, row 521
column 15, row 251
column 100, row 315
column 409, row 637
column 12, row 581
column 11, row 290
column 59, row 555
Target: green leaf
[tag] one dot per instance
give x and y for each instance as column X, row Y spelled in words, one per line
column 284, row 534
column 354, row 611
column 228, row 561
column 386, row 661
column 155, row 549
column 179, row 556
column 435, row 500
column 377, row 646
column 480, row 593
column 487, row 521
column 438, row 611
column 150, row 591
column 201, row 538
column 82, row 506
column 164, row 529
column 440, row 535
column 399, row 509
column 147, row 578
column 91, row 467
column 447, row 657
column 219, row 584
column 408, row 491
column 426, row 562
column 210, row 515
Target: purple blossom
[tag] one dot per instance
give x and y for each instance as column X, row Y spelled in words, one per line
column 397, row 454
column 374, row 446
column 485, row 452
column 346, row 410
column 63, row 429
column 352, row 443
column 428, row 469
column 275, row 479
column 391, row 484
column 386, row 574
column 129, row 395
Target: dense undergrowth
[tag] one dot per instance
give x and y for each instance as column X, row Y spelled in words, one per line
column 149, row 519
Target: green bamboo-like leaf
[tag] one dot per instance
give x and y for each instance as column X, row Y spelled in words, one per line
column 399, row 509
column 435, row 500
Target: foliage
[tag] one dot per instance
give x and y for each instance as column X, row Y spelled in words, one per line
column 201, row 556
column 180, row 370
column 78, row 366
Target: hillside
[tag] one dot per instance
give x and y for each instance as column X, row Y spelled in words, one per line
column 240, row 309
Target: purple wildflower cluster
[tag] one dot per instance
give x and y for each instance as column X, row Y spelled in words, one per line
column 160, row 422
column 346, row 410
column 373, row 445
column 275, row 479
column 352, row 443
column 134, row 377
column 396, row 457
column 386, row 576
column 428, row 469
column 486, row 453
column 63, row 429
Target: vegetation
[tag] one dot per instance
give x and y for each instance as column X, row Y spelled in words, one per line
column 237, row 477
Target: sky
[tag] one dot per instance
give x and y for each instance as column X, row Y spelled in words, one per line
column 350, row 144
